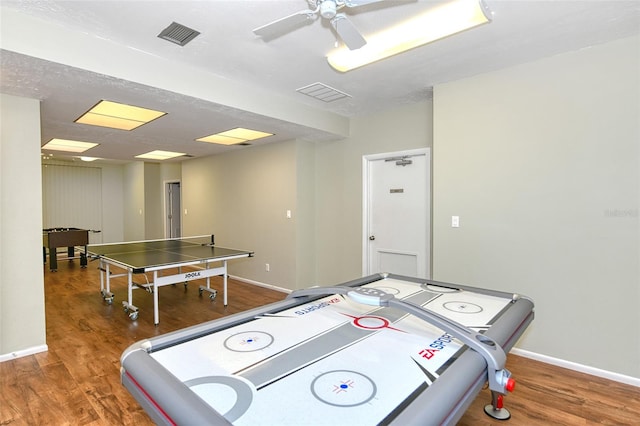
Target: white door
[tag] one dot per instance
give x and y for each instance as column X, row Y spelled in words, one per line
column 172, row 208
column 397, row 213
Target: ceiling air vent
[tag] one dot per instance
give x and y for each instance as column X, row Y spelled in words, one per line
column 178, row 34
column 322, row 92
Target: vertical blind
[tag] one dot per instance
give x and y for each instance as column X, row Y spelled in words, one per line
column 72, row 198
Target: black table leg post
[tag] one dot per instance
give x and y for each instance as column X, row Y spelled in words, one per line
column 53, row 258
column 83, row 258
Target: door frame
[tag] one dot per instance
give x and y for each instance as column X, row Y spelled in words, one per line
column 366, row 204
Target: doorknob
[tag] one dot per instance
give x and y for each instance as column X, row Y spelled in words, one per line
column 373, row 237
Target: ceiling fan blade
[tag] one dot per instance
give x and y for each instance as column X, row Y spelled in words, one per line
column 348, row 32
column 285, row 24
column 356, row 3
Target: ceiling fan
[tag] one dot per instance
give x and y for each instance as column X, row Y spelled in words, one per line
column 327, row 9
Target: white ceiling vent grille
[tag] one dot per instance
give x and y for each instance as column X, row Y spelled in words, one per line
column 178, row 34
column 322, row 92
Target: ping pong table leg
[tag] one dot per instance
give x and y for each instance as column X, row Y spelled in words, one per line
column 156, row 313
column 131, row 310
column 105, row 292
column 224, row 279
column 212, row 292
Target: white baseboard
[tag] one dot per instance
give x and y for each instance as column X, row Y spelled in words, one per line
column 23, row 352
column 610, row 375
column 259, row 284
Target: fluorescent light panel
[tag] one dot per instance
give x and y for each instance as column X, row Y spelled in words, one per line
column 160, row 155
column 118, row 116
column 234, row 136
column 445, row 20
column 221, row 140
column 68, row 145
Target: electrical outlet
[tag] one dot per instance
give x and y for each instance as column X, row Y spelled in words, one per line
column 455, row 221
column 267, row 267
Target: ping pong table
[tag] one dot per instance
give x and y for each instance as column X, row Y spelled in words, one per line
column 138, row 258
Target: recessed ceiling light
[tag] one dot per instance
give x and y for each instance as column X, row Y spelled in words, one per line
column 234, row 136
column 221, row 140
column 68, row 145
column 450, row 18
column 118, row 116
column 246, row 134
column 88, row 159
column 160, row 155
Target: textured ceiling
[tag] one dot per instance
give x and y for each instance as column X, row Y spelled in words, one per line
column 70, row 54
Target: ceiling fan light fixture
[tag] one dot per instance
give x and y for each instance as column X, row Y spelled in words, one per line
column 328, row 9
column 445, row 20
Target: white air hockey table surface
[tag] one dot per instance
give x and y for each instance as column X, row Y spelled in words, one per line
column 318, row 358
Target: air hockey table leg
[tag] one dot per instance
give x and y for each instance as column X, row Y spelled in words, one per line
column 496, row 409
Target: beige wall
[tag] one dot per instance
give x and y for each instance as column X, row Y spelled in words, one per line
column 134, row 207
column 541, row 163
column 242, row 198
column 305, row 219
column 153, row 196
column 112, row 204
column 143, row 194
column 22, row 320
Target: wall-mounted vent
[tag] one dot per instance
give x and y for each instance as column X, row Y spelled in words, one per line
column 322, row 92
column 178, row 34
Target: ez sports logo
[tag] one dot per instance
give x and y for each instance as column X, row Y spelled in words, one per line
column 436, row 346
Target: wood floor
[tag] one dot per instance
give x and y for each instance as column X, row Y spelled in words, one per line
column 77, row 381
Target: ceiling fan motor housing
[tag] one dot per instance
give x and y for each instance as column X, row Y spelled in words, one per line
column 328, row 9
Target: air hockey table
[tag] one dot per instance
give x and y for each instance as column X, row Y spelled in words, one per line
column 383, row 349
